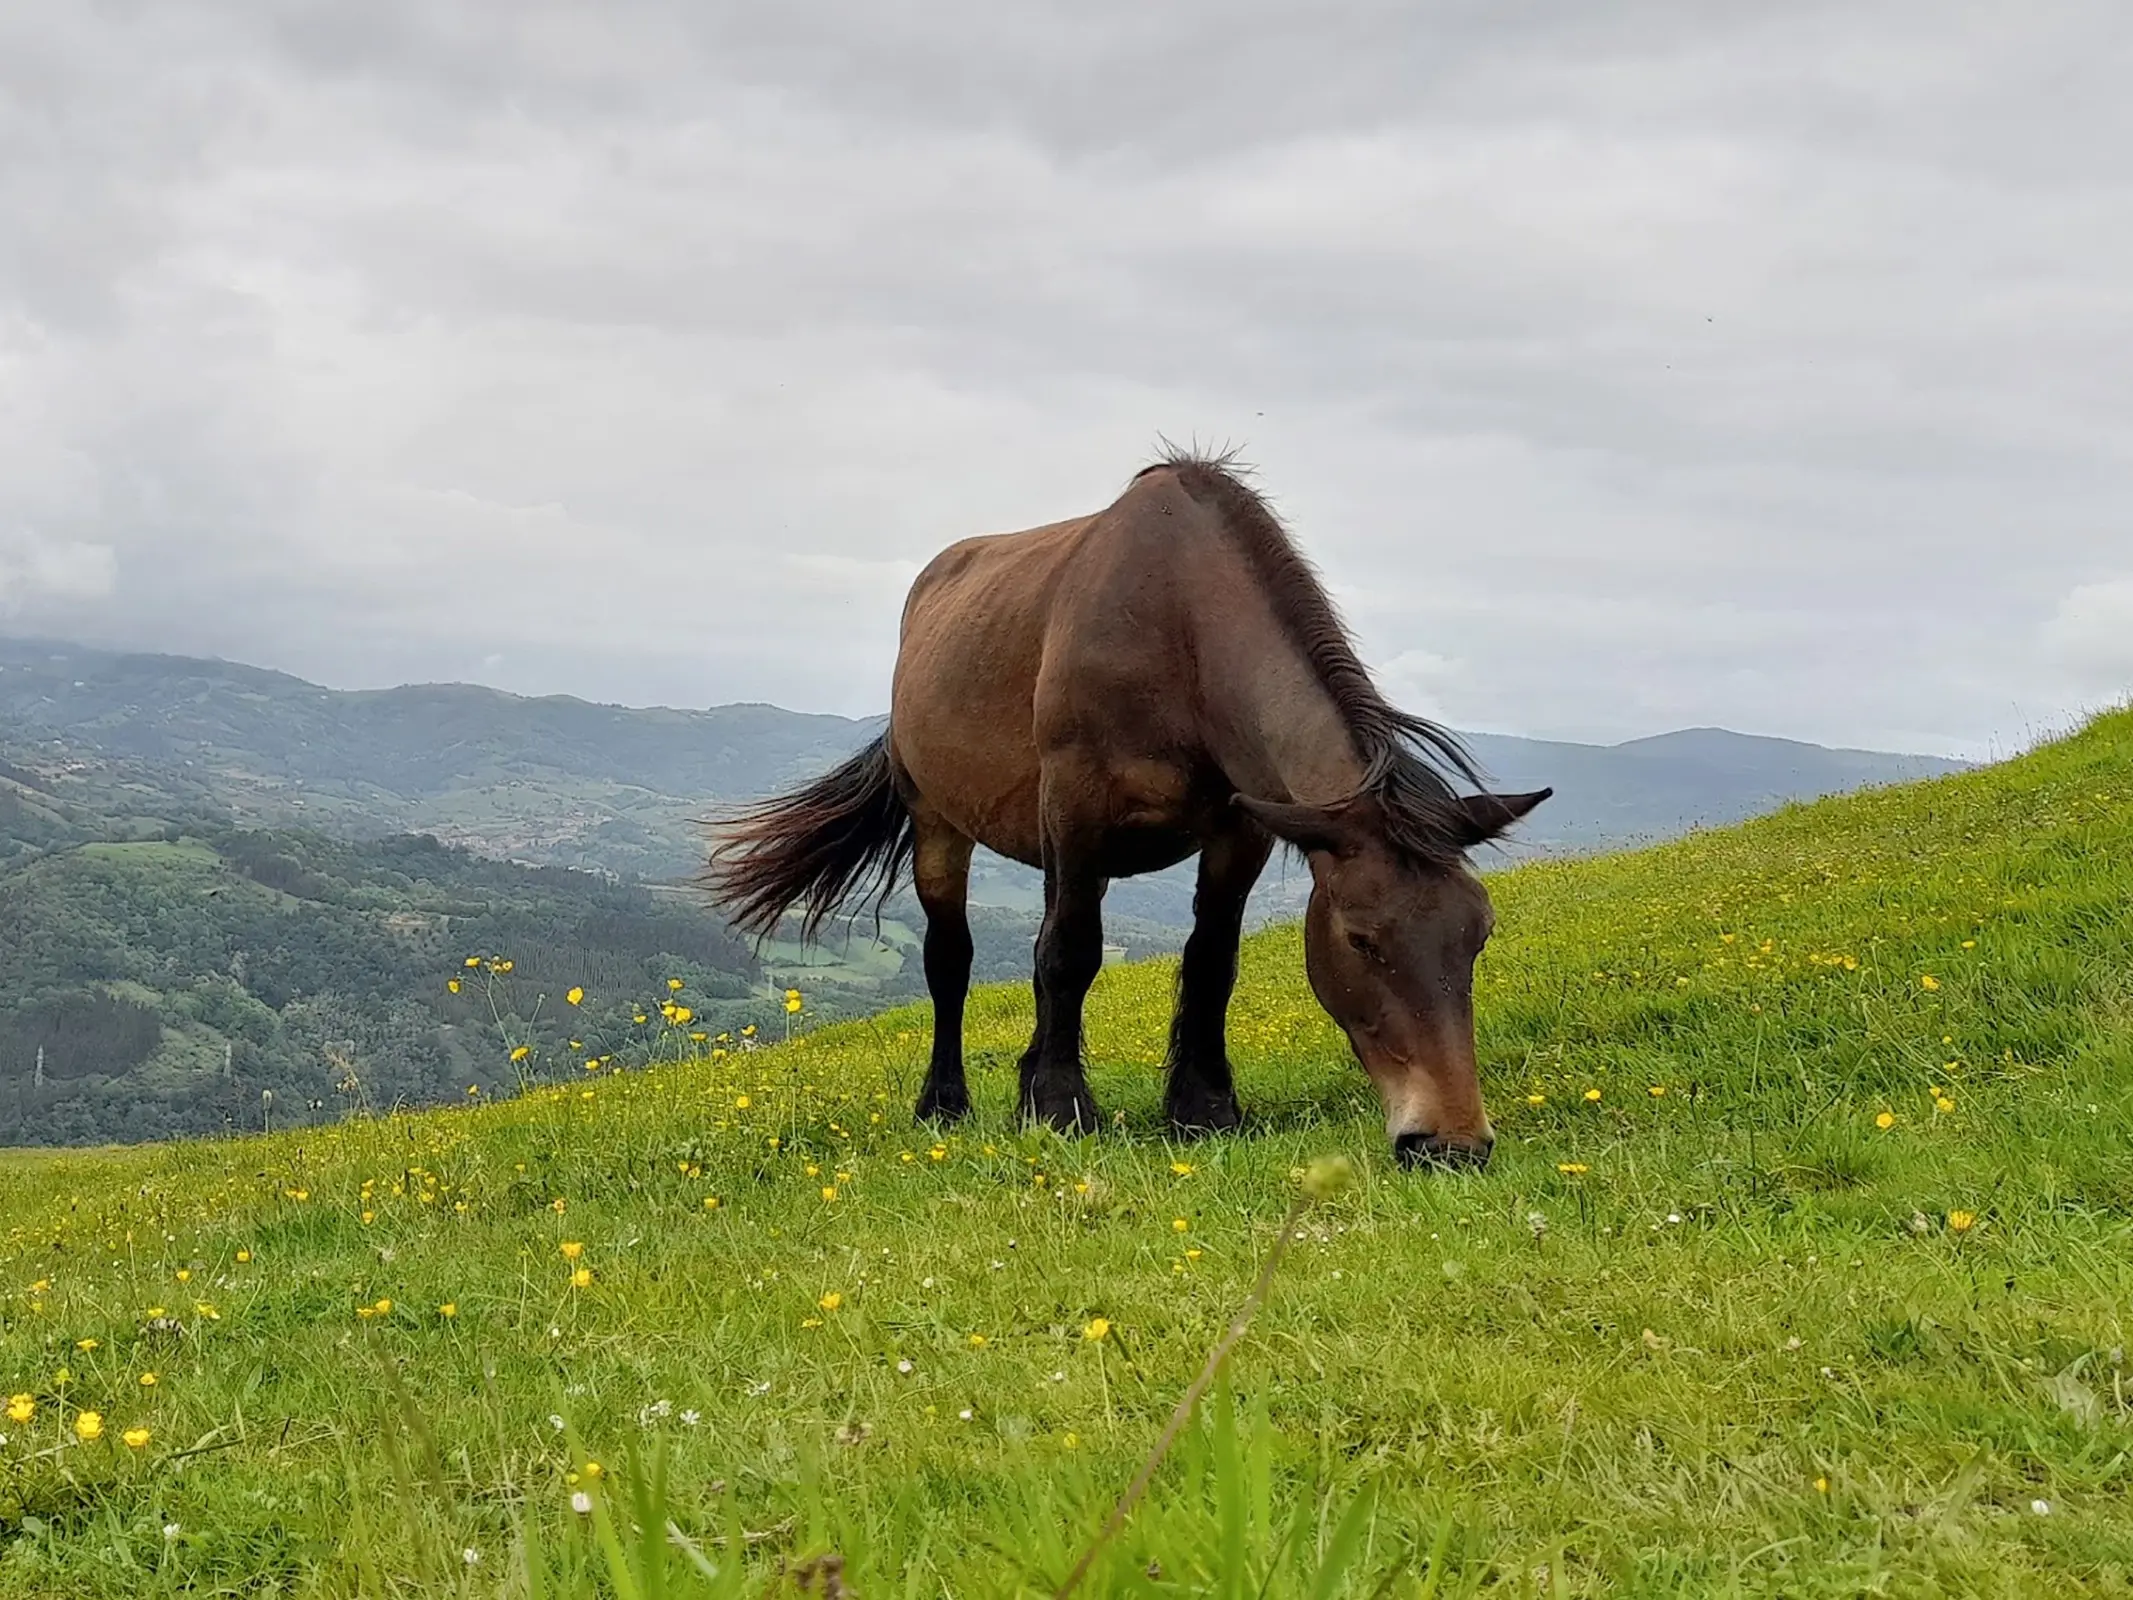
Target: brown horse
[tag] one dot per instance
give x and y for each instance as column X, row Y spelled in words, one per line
column 1105, row 696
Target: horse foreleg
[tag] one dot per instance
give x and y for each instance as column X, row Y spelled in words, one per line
column 941, row 865
column 1201, row 1097
column 1070, row 952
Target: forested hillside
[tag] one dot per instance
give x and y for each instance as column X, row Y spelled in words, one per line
column 220, row 977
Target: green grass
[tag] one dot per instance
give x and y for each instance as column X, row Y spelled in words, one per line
column 1723, row 1339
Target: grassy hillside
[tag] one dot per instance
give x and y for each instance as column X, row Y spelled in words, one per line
column 1805, row 1267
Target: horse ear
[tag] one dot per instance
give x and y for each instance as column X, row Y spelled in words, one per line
column 1485, row 816
column 1308, row 828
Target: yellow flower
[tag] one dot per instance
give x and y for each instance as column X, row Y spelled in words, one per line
column 1072, row 1441
column 136, row 1438
column 1592, row 1094
column 575, row 995
column 792, row 1004
column 977, row 1341
column 148, row 1380
column 1098, row 1329
column 1179, row 1225
column 582, row 1278
column 449, row 1309
column 710, row 1202
column 1961, row 1221
column 831, row 1301
column 154, row 1311
column 556, row 1205
column 673, row 983
column 20, row 1408
column 792, row 994
column 473, row 961
column 452, row 984
column 521, row 1052
column 1928, row 981
column 748, row 1032
column 1572, row 1169
column 85, row 1344
column 591, row 1469
column 1887, row 1119
column 244, row 1255
column 1656, row 1090
column 185, row 1273
column 1536, row 1099
column 88, row 1425
column 1943, row 1103
column 1821, row 1486
column 572, row 1249
column 741, row 1102
column 683, row 1015
column 829, row 1191
column 1181, row 1168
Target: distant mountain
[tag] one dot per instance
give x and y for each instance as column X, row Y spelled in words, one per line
column 562, row 782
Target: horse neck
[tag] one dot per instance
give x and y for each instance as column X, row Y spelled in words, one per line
column 1278, row 733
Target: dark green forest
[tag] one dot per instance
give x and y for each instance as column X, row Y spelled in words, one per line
column 220, row 977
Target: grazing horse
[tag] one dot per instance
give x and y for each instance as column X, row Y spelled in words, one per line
column 1104, row 697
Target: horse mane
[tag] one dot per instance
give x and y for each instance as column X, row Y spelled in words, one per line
column 1402, row 753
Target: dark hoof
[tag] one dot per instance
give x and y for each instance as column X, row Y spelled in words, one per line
column 943, row 1105
column 1442, row 1151
column 1069, row 1113
column 1190, row 1119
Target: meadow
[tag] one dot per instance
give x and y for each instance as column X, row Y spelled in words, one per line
column 1804, row 1267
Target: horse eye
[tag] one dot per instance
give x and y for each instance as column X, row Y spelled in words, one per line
column 1365, row 947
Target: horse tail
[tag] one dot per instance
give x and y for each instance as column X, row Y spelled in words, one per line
column 847, row 832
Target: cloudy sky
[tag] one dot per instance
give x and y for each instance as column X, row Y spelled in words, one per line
column 1623, row 367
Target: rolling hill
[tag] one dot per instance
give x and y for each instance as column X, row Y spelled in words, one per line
column 560, row 782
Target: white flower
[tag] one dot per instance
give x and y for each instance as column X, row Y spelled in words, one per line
column 471, row 1556
column 1673, row 1216
column 171, row 1530
column 904, row 1366
column 555, row 1422
column 925, row 1283
column 964, row 1414
column 2042, row 1508
column 581, row 1502
column 690, row 1419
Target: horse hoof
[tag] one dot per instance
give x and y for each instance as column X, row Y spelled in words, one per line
column 1193, row 1119
column 1076, row 1115
column 943, row 1105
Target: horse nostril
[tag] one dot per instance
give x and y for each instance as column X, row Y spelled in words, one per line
column 1441, row 1150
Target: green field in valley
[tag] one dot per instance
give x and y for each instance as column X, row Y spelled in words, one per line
column 1805, row 1267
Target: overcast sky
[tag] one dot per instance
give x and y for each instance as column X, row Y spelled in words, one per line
column 1623, row 367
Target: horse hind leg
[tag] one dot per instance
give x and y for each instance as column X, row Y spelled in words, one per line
column 1054, row 1088
column 1201, row 1096
column 941, row 867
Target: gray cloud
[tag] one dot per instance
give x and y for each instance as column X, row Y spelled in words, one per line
column 1622, row 367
